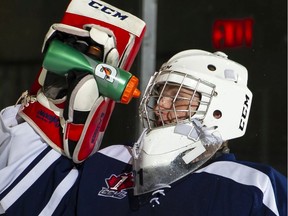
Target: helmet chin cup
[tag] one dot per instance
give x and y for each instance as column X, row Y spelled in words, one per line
column 158, row 163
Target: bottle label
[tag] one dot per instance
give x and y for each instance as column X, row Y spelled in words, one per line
column 106, row 72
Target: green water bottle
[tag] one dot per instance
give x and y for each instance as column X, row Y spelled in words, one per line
column 113, row 82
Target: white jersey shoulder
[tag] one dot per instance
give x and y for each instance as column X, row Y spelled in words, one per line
column 19, row 146
column 118, row 152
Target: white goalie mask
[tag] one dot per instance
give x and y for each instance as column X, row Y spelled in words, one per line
column 197, row 101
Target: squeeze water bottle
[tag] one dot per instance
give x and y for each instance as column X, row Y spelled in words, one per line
column 113, row 82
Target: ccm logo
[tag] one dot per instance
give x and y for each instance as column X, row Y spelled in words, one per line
column 107, row 10
column 244, row 115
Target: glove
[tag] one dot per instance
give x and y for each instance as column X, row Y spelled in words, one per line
column 61, row 114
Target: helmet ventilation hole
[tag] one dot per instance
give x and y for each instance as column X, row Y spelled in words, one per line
column 217, row 114
column 211, row 67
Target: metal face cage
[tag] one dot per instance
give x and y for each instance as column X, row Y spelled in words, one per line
column 173, row 97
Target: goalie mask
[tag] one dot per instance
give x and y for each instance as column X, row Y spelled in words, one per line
column 196, row 102
column 68, row 111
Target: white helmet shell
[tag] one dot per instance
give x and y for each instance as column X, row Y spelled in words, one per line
column 211, row 73
column 168, row 151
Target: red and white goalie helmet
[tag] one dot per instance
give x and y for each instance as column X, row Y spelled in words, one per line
column 69, row 112
column 190, row 107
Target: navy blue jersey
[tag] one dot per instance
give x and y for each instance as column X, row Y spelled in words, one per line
column 109, row 174
column 224, row 187
column 34, row 178
column 37, row 180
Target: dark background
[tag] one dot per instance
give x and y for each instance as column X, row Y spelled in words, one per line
column 181, row 25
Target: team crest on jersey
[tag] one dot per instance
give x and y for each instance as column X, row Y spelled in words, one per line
column 117, row 186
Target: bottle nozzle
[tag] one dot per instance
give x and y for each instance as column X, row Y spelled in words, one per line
column 131, row 90
column 136, row 93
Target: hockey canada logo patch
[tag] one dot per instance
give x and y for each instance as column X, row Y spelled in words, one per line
column 116, row 186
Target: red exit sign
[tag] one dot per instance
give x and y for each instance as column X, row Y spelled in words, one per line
column 228, row 33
